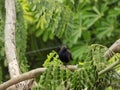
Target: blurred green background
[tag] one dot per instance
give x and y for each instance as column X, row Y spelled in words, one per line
column 46, row 25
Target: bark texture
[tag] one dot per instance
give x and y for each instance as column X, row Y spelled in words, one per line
column 115, row 48
column 10, row 47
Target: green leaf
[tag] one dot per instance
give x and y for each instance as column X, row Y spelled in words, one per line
column 42, row 22
column 29, row 18
column 39, row 33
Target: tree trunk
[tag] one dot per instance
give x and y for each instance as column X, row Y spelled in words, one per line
column 10, row 47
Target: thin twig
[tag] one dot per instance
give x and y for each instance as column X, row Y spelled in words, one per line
column 109, row 67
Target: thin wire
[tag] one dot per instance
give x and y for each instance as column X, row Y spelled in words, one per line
column 43, row 49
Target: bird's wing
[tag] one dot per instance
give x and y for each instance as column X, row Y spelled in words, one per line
column 70, row 56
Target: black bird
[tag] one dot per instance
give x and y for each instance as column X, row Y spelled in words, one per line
column 65, row 55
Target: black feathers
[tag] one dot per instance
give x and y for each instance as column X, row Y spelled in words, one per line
column 64, row 55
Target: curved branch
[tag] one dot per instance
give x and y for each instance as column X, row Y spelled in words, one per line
column 33, row 73
column 22, row 77
column 28, row 75
column 109, row 67
column 115, row 48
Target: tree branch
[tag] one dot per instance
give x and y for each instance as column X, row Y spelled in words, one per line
column 33, row 73
column 22, row 77
column 115, row 48
column 109, row 67
column 28, row 75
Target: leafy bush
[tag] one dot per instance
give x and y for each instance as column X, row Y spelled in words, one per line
column 77, row 23
column 58, row 77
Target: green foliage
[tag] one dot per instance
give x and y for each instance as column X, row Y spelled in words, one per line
column 52, row 59
column 54, row 78
column 21, row 36
column 84, row 78
column 77, row 23
column 58, row 77
column 2, row 54
column 47, row 17
column 107, row 79
column 1, row 75
column 99, row 22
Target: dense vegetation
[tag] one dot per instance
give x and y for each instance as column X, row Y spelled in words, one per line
column 45, row 25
